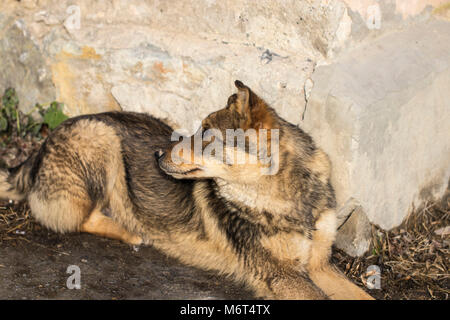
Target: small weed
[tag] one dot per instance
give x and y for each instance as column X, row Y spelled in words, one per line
column 21, row 134
column 14, row 123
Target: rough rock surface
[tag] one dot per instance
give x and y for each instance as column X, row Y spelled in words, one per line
column 23, row 66
column 381, row 113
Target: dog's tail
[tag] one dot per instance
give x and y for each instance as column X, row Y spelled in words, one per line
column 15, row 183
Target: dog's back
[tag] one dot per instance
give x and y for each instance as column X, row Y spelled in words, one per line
column 101, row 163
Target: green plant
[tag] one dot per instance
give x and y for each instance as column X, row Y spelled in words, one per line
column 9, row 111
column 15, row 123
column 54, row 115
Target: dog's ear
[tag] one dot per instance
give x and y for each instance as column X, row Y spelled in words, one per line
column 240, row 101
column 251, row 107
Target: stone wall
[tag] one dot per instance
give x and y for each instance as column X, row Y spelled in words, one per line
column 312, row 60
column 381, row 110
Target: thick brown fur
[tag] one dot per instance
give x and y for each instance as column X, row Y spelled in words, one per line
column 99, row 173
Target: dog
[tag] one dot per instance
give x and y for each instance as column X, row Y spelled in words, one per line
column 269, row 224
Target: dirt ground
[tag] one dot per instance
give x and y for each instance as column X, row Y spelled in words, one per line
column 413, row 258
column 34, row 262
column 33, row 265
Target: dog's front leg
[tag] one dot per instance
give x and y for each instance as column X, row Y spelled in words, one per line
column 324, row 275
column 286, row 283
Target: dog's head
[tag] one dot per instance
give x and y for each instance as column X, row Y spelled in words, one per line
column 237, row 142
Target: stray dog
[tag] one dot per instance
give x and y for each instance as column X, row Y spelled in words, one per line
column 269, row 224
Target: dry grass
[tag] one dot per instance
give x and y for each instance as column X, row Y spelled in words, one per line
column 413, row 258
column 15, row 221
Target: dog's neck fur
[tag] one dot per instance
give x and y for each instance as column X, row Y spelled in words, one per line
column 255, row 196
column 261, row 206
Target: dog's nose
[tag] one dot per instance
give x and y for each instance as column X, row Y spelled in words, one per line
column 159, row 154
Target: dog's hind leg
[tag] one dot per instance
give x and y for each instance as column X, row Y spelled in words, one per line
column 324, row 275
column 116, row 223
column 62, row 212
column 68, row 214
column 104, row 226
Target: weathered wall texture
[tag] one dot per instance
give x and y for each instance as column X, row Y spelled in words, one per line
column 178, row 59
column 376, row 99
column 382, row 110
